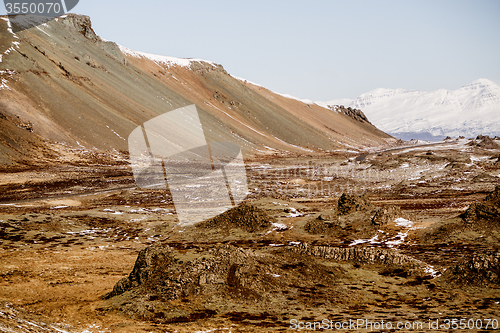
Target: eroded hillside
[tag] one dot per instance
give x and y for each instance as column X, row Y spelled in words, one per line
column 63, row 83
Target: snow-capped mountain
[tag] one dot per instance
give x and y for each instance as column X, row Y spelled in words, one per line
column 469, row 111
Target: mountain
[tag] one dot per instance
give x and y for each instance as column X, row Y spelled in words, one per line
column 61, row 84
column 469, row 111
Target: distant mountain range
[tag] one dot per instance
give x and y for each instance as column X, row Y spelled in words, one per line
column 469, row 111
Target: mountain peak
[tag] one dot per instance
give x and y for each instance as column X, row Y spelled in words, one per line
column 482, row 86
column 471, row 110
column 483, row 82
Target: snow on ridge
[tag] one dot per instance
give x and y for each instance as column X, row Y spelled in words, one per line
column 469, row 111
column 341, row 101
column 303, row 100
column 480, row 83
column 247, row 81
column 171, row 61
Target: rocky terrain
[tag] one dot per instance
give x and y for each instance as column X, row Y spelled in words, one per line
column 402, row 234
column 341, row 221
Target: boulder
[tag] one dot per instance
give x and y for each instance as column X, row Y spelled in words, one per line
column 481, row 270
column 485, row 213
column 386, row 214
column 348, row 204
column 245, row 216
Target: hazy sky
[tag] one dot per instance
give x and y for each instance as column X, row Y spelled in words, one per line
column 319, row 50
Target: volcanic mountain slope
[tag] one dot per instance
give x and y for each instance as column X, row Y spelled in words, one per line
column 63, row 83
column 469, row 111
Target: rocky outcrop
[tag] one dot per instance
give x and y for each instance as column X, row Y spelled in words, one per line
column 386, row 214
column 80, row 23
column 484, row 142
column 352, row 214
column 161, row 269
column 148, row 263
column 83, row 25
column 246, row 217
column 364, row 255
column 485, row 213
column 353, row 113
column 481, row 270
column 169, row 285
column 348, row 204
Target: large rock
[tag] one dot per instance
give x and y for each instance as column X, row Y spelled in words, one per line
column 485, row 213
column 350, row 218
column 348, row 204
column 365, row 255
column 484, row 142
column 481, row 270
column 170, row 285
column 245, row 216
column 386, row 214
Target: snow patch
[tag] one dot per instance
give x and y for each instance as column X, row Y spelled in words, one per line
column 432, row 272
column 401, row 222
column 397, row 240
column 3, row 82
column 279, row 226
column 372, row 240
column 118, row 135
column 305, row 101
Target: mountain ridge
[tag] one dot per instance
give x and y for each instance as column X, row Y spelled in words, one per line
column 76, row 88
column 471, row 110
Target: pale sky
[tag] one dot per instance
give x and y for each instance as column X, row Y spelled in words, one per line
column 316, row 49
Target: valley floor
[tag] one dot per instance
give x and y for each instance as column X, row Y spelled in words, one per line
column 67, row 236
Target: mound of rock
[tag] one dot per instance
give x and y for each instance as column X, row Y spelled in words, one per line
column 169, row 285
column 246, row 217
column 484, row 177
column 351, row 214
column 320, row 226
column 387, row 214
column 484, row 142
column 162, row 270
column 485, row 213
column 456, row 166
column 365, row 255
column 482, row 270
column 353, row 113
column 348, row 204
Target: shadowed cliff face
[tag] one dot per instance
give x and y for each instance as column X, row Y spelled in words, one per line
column 68, row 85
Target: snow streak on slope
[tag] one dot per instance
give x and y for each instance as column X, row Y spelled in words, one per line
column 469, row 111
column 14, row 43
